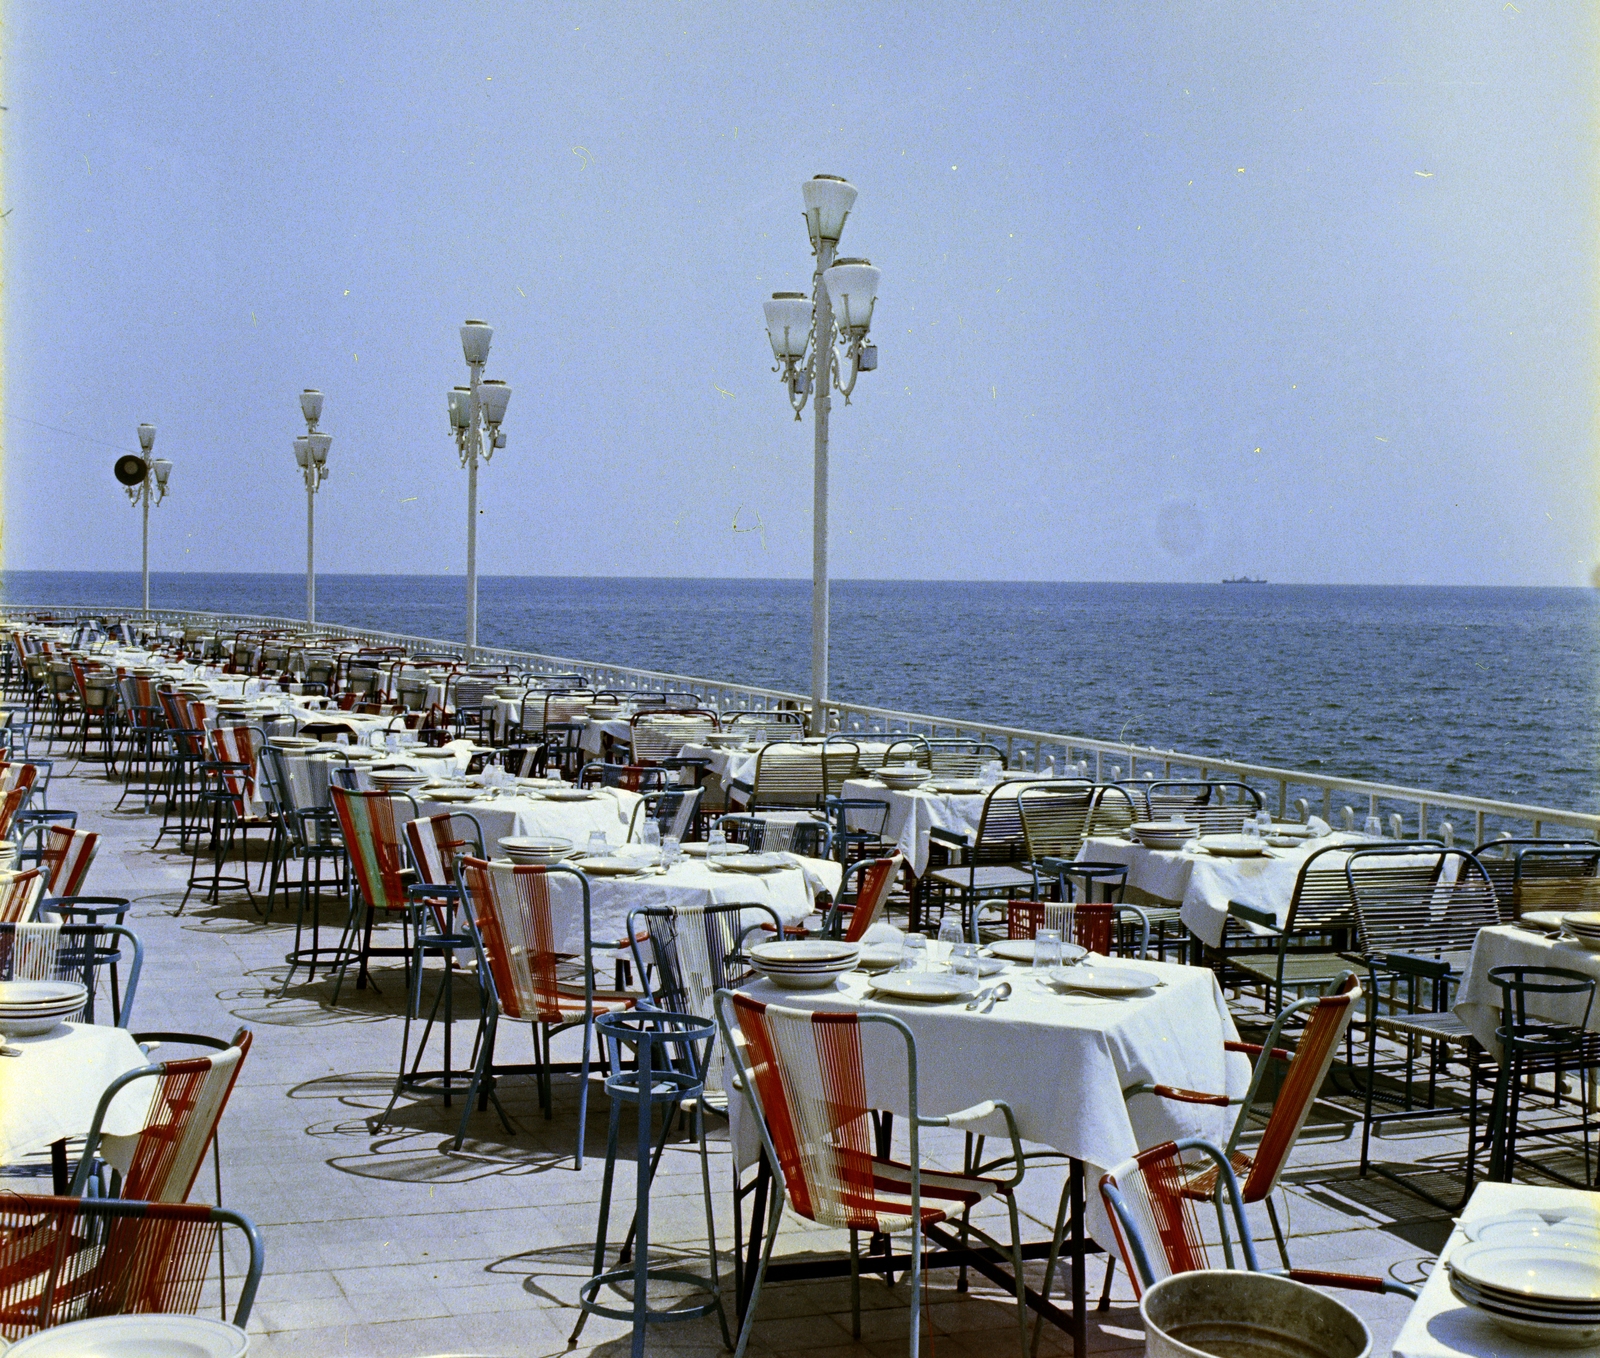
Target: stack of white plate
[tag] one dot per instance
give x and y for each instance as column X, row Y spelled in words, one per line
column 725, row 740
column 397, row 780
column 1584, row 925
column 807, row 964
column 524, row 849
column 1163, row 834
column 28, row 1008
column 1535, row 1279
column 293, row 742
column 903, row 777
column 602, row 711
column 507, row 691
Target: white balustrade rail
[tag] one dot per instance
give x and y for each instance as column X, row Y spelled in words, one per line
column 1108, row 760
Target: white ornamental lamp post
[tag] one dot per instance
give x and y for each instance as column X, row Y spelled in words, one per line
column 476, row 411
column 311, row 455
column 149, row 484
column 802, row 333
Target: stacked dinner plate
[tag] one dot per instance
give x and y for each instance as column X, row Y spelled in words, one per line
column 1163, row 834
column 1537, row 1280
column 1584, row 925
column 397, row 779
column 524, row 849
column 903, row 777
column 807, row 964
column 28, row 1008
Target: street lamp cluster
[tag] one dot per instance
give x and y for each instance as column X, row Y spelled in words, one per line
column 805, row 332
column 802, row 331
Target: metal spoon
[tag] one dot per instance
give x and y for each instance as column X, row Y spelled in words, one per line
column 980, row 997
column 1000, row 992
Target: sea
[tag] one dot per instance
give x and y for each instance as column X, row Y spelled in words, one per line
column 1484, row 692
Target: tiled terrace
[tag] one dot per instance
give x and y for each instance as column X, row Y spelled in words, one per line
column 388, row 1244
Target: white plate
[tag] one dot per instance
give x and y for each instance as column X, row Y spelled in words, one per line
column 41, row 993
column 1529, row 1225
column 753, row 862
column 878, row 960
column 954, row 787
column 534, row 844
column 1104, row 980
column 1543, row 919
column 453, row 794
column 1588, row 944
column 919, row 985
column 571, row 794
column 611, row 866
column 802, row 980
column 1233, row 846
column 805, row 951
column 1021, row 950
column 1581, row 919
column 1563, row 1269
column 1286, row 842
column 142, row 1336
column 699, row 850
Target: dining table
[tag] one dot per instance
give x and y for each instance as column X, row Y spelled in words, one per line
column 1441, row 1326
column 914, row 813
column 1478, row 1001
column 1202, row 884
column 49, row 1092
column 1063, row 1062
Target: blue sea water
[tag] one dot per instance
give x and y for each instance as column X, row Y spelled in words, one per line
column 1485, row 692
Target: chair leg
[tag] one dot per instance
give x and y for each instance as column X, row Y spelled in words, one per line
column 1104, row 1303
column 855, row 1284
column 583, row 1090
column 1017, row 1273
column 774, row 1217
column 1277, row 1232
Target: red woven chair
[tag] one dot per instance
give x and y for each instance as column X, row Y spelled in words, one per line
column 1329, row 1016
column 873, row 887
column 379, row 875
column 516, row 930
column 1092, row 924
column 66, row 857
column 803, row 1076
column 163, row 1161
column 1157, row 1225
column 21, row 896
column 64, row 1259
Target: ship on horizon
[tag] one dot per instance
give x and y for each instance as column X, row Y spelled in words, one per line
column 1243, row 580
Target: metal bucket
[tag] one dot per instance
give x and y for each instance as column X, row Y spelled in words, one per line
column 1216, row 1313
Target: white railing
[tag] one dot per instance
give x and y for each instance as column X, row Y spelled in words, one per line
column 1110, row 760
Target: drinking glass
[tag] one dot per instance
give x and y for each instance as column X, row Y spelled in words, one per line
column 671, row 851
column 1046, row 956
column 914, row 953
column 650, row 834
column 598, row 845
column 1371, row 827
column 949, row 936
column 964, row 966
column 1264, row 822
column 716, row 846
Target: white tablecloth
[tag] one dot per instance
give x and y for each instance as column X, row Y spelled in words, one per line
column 1439, row 1326
column 53, row 1088
column 1061, row 1063
column 789, row 892
column 1203, row 884
column 1509, row 945
column 609, row 811
column 913, row 814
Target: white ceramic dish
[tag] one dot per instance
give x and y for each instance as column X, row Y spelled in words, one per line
column 571, row 794
column 1528, row 1323
column 612, row 866
column 1528, row 1224
column 805, row 952
column 40, row 994
column 138, row 1336
column 1021, row 950
column 873, row 959
column 1548, row 920
column 699, row 850
column 1559, row 1268
column 1104, row 980
column 1233, row 846
column 919, row 985
column 750, row 862
column 454, row 794
column 954, row 787
column 803, row 980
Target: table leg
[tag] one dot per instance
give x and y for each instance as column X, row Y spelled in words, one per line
column 1080, row 1309
column 60, row 1181
column 758, row 1221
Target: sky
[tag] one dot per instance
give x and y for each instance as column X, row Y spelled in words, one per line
column 1170, row 291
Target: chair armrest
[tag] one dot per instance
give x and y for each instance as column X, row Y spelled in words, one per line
column 1357, row 1282
column 955, row 837
column 968, row 1116
column 1255, row 1049
column 1179, row 1095
column 739, row 785
column 1254, row 914
column 1431, row 968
